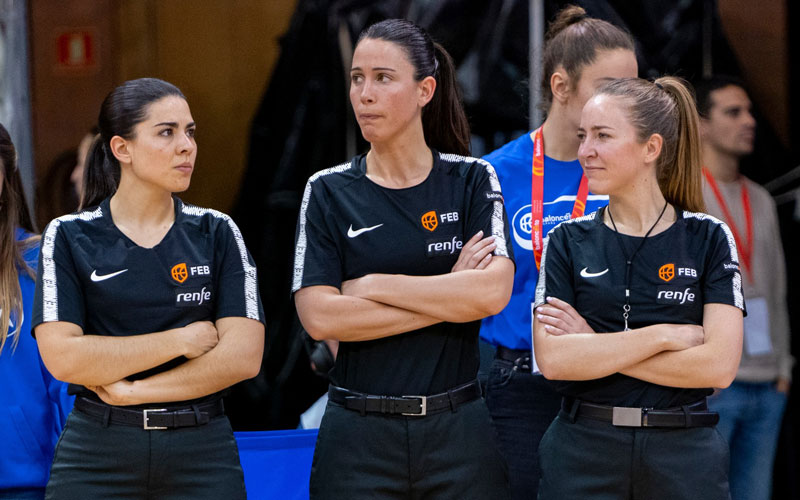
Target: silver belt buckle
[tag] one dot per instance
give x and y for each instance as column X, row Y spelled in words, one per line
column 626, row 417
column 423, row 404
column 146, row 416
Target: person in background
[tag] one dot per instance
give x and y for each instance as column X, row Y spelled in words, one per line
column 149, row 307
column 580, row 54
column 751, row 409
column 33, row 405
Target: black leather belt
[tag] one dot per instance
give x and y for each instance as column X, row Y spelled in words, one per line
column 521, row 358
column 693, row 415
column 151, row 418
column 414, row 406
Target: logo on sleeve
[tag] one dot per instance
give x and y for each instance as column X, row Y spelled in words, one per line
column 494, row 196
column 430, row 221
column 189, row 298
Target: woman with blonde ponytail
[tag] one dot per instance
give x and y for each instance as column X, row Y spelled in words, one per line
column 580, row 54
column 33, row 405
column 638, row 309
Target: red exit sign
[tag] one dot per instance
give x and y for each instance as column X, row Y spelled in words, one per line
column 76, row 49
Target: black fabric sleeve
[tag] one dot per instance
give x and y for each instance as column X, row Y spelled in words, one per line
column 317, row 260
column 237, row 282
column 555, row 275
column 59, row 294
column 722, row 282
column 487, row 211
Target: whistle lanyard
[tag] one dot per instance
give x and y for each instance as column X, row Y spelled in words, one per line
column 537, row 197
column 745, row 247
column 626, row 309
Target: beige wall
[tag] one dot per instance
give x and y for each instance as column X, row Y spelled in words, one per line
column 220, row 53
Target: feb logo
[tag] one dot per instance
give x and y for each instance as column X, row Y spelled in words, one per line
column 179, row 272
column 666, row 272
column 429, row 220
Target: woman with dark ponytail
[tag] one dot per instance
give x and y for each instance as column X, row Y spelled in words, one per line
column 149, row 308
column 400, row 252
column 638, row 310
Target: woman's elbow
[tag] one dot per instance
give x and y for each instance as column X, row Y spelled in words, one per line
column 316, row 329
column 724, row 377
column 494, row 298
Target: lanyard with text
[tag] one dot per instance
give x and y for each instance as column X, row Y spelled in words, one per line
column 537, row 197
column 745, row 247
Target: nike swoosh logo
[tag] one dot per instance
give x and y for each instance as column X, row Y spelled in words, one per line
column 353, row 234
column 103, row 277
column 586, row 274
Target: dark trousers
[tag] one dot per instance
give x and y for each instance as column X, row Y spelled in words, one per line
column 588, row 458
column 522, row 406
column 115, row 462
column 449, row 455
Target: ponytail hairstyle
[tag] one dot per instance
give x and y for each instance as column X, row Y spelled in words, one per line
column 667, row 107
column 444, row 122
column 14, row 215
column 572, row 42
column 124, row 108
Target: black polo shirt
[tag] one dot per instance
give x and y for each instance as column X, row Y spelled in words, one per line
column 694, row 262
column 350, row 226
column 92, row 275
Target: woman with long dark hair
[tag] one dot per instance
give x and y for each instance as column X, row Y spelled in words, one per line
column 638, row 310
column 149, row 308
column 33, row 404
column 400, row 252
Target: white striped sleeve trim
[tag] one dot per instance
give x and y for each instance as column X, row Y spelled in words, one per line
column 49, row 280
column 250, row 280
column 497, row 210
column 302, row 239
column 738, row 297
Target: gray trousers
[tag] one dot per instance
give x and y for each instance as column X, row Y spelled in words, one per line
column 121, row 462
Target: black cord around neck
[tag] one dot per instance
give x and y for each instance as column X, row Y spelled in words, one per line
column 629, row 260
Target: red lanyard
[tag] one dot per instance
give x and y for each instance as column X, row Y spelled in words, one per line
column 745, row 248
column 537, row 197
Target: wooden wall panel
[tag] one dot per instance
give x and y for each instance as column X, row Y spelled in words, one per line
column 759, row 37
column 65, row 100
column 221, row 55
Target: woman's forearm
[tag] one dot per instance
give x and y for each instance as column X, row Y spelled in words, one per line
column 236, row 357
column 328, row 315
column 712, row 364
column 456, row 297
column 71, row 356
column 589, row 356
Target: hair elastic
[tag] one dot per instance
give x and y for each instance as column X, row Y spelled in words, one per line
column 659, row 85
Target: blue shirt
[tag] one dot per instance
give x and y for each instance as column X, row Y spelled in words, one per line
column 512, row 162
column 33, row 405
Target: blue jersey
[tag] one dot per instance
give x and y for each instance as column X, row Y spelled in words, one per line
column 33, row 405
column 513, row 163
